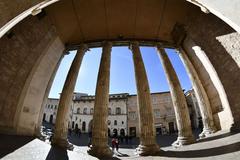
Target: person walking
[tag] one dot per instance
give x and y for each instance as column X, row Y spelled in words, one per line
column 117, row 144
column 90, row 139
column 113, row 144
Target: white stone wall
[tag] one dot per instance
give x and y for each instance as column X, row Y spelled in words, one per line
column 51, row 109
column 82, row 113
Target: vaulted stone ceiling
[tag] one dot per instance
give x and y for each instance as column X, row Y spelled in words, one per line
column 95, row 20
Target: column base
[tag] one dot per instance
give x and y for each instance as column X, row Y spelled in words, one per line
column 207, row 133
column 100, row 151
column 148, row 150
column 235, row 128
column 63, row 143
column 183, row 141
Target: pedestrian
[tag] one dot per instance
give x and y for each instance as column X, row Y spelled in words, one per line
column 117, row 145
column 90, row 138
column 113, row 144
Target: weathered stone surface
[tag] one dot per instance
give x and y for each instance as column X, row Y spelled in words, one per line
column 100, row 146
column 185, row 135
column 201, row 95
column 19, row 53
column 148, row 145
column 217, row 39
column 61, row 126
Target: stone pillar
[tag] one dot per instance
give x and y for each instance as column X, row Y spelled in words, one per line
column 38, row 132
column 61, row 126
column 100, row 146
column 201, row 96
column 185, row 135
column 148, row 145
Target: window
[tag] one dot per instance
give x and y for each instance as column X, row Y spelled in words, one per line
column 118, row 110
column 55, row 106
column 109, row 122
column 132, row 115
column 157, row 113
column 115, row 122
column 85, row 111
column 109, row 111
column 51, row 106
column 122, row 122
column 78, row 111
column 91, row 111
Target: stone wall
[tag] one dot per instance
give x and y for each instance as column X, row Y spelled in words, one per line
column 220, row 42
column 11, row 9
column 20, row 52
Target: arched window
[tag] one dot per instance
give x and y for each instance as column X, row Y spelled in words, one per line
column 118, row 110
column 109, row 111
column 85, row 111
column 91, row 111
column 78, row 110
column 83, row 126
column 115, row 122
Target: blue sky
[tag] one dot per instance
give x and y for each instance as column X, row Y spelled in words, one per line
column 122, row 79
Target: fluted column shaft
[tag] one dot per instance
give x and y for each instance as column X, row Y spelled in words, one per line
column 61, row 126
column 99, row 146
column 148, row 144
column 185, row 135
column 201, row 96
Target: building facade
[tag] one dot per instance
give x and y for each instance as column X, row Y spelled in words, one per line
column 195, row 115
column 83, row 108
column 163, row 111
column 50, row 110
column 123, row 117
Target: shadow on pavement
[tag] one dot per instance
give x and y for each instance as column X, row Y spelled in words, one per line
column 203, row 152
column 56, row 153
column 10, row 143
column 215, row 137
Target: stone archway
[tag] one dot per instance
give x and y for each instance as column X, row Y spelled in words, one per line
column 115, row 132
column 51, row 119
column 90, row 126
column 84, row 126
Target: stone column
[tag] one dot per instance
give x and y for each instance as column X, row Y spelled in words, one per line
column 201, row 96
column 61, row 126
column 148, row 145
column 100, row 146
column 185, row 135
